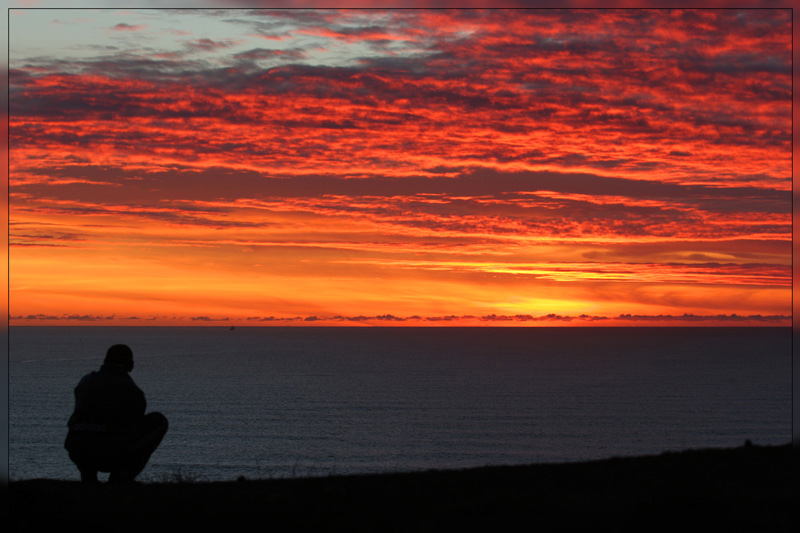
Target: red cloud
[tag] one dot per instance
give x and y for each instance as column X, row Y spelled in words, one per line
column 128, row 27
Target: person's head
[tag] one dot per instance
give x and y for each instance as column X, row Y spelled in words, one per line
column 120, row 354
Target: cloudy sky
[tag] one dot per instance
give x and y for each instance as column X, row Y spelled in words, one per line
column 400, row 167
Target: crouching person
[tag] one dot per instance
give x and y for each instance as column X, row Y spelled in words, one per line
column 109, row 431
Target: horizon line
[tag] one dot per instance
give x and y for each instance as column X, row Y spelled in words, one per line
column 389, row 320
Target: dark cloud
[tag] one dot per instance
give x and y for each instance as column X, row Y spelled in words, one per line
column 208, row 45
column 259, row 54
column 505, row 203
column 478, row 182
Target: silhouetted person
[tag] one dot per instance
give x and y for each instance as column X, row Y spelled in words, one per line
column 109, row 432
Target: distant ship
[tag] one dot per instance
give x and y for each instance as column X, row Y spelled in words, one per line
column 233, row 328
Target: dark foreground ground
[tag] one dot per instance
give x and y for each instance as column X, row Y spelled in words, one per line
column 741, row 489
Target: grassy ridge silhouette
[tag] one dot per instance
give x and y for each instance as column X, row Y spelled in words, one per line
column 748, row 488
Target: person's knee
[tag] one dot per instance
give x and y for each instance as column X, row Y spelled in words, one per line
column 156, row 419
column 162, row 425
column 149, row 433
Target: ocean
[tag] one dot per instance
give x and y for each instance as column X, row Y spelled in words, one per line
column 278, row 402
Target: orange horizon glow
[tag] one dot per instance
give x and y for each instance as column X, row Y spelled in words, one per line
column 396, row 168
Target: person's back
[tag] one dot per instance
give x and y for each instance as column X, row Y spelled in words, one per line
column 108, row 397
column 108, row 430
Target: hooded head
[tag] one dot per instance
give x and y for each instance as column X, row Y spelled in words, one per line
column 121, row 355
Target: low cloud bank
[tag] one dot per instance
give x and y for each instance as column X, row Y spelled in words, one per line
column 389, row 319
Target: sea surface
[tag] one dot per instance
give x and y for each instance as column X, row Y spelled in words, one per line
column 281, row 402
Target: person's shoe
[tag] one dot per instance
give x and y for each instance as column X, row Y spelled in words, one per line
column 121, row 478
column 89, row 476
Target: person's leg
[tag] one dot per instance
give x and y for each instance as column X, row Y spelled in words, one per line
column 147, row 438
column 81, row 452
column 88, row 475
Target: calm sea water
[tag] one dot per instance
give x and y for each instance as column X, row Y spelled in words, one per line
column 278, row 402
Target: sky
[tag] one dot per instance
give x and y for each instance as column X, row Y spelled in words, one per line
column 400, row 167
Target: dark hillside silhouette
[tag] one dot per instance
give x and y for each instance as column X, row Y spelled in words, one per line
column 732, row 490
